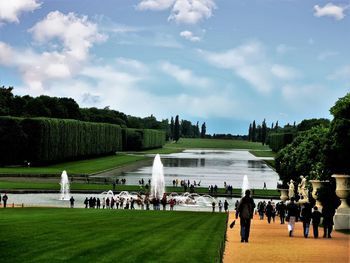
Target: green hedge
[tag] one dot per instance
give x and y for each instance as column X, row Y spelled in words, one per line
column 44, row 140
column 277, row 141
column 142, row 139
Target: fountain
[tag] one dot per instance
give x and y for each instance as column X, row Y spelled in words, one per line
column 245, row 185
column 157, row 184
column 65, row 195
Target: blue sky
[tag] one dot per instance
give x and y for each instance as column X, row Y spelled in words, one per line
column 224, row 62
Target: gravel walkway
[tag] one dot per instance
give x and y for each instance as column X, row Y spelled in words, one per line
column 271, row 243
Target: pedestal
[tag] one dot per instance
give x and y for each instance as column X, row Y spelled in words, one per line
column 342, row 219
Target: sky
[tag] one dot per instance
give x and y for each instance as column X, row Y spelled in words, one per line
column 223, row 62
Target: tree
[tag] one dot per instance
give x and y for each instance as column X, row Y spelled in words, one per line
column 254, row 132
column 263, row 132
column 338, row 151
column 6, row 97
column 172, row 126
column 250, row 132
column 177, row 129
column 204, row 130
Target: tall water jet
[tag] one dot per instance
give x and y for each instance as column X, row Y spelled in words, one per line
column 65, row 195
column 157, row 184
column 245, row 184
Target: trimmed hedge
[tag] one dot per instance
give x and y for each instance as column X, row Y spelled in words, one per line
column 142, row 139
column 44, row 140
column 277, row 141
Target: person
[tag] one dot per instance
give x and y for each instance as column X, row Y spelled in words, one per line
column 282, row 211
column 86, row 202
column 98, row 202
column 172, row 204
column 316, row 219
column 265, row 186
column 328, row 212
column 213, row 206
column 220, row 206
column 245, row 211
column 103, row 203
column 226, row 206
column 4, row 199
column 306, row 218
column 273, row 210
column 268, row 212
column 71, row 200
column 292, row 215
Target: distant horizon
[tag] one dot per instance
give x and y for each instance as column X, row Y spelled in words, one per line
column 225, row 63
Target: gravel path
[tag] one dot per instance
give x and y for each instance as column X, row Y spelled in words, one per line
column 271, row 243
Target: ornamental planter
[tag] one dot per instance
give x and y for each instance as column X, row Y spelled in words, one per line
column 284, row 194
column 317, row 184
column 342, row 216
column 343, row 188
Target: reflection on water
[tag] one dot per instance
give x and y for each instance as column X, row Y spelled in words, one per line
column 211, row 167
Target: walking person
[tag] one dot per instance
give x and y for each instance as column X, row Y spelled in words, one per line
column 245, row 211
column 213, row 206
column 306, row 218
column 282, row 211
column 268, row 212
column 220, row 206
column 226, row 206
column 4, row 199
column 86, row 202
column 292, row 215
column 71, row 200
column 316, row 219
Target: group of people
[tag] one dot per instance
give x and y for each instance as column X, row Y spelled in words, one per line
column 220, row 205
column 292, row 212
column 3, row 199
column 117, row 202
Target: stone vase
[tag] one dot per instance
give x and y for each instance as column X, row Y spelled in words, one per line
column 342, row 216
column 317, row 184
column 284, row 194
column 343, row 188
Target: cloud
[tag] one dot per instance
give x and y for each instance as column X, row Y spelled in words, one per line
column 189, row 36
column 184, row 76
column 337, row 12
column 72, row 37
column 327, row 54
column 10, row 10
column 342, row 73
column 284, row 72
column 76, row 33
column 182, row 11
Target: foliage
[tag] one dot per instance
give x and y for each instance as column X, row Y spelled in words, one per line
column 177, row 129
column 94, row 235
column 300, row 157
column 142, row 139
column 305, row 125
column 51, row 140
column 338, row 152
column 203, row 130
column 278, row 140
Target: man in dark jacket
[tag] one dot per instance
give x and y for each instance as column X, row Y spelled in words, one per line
column 245, row 211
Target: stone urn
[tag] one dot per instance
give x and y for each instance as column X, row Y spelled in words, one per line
column 317, row 184
column 284, row 194
column 343, row 188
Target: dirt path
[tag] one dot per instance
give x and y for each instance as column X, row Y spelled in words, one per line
column 271, row 243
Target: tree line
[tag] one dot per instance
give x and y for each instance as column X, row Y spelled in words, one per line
column 68, row 108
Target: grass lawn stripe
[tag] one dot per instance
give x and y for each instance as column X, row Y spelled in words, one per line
column 89, row 235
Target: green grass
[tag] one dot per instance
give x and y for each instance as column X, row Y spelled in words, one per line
column 89, row 235
column 187, row 143
column 88, row 166
column 263, row 153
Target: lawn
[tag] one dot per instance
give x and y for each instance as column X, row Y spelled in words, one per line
column 88, row 166
column 263, row 153
column 89, row 235
column 187, row 143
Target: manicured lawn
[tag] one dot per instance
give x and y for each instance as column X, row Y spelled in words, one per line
column 263, row 153
column 187, row 143
column 88, row 166
column 89, row 235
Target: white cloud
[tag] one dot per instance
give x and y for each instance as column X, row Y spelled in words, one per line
column 156, row 5
column 184, row 76
column 10, row 10
column 331, row 10
column 74, row 37
column 342, row 73
column 284, row 72
column 76, row 33
column 327, row 54
column 182, row 11
column 190, row 36
column 191, row 11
